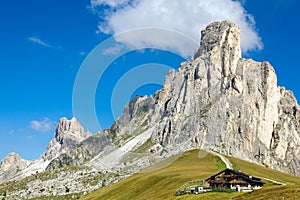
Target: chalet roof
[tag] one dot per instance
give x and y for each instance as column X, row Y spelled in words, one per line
column 238, row 174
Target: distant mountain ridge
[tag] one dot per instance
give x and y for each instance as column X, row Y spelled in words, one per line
column 68, row 134
column 12, row 164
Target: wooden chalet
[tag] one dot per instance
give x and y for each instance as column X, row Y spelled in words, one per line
column 235, row 180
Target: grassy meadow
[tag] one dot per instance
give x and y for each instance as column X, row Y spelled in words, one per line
column 161, row 180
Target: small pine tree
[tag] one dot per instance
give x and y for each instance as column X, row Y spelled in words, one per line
column 103, row 183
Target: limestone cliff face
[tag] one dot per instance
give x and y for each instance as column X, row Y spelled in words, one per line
column 136, row 116
column 220, row 101
column 11, row 165
column 68, row 134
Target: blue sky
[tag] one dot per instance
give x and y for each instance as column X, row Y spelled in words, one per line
column 44, row 43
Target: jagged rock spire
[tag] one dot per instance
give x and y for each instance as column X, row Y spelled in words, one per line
column 68, row 134
column 220, row 43
column 72, row 127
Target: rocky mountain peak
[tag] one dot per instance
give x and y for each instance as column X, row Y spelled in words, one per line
column 220, row 36
column 220, row 45
column 68, row 134
column 9, row 160
column 11, row 165
column 220, row 101
column 68, row 127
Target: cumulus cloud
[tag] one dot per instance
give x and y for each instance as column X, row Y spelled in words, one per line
column 42, row 126
column 186, row 17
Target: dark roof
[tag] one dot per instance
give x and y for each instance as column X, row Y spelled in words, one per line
column 239, row 174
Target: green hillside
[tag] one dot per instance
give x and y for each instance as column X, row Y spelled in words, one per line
column 161, row 180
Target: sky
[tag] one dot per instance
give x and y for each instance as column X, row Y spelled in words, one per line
column 46, row 48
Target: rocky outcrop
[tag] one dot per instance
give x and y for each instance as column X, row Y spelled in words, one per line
column 136, row 116
column 83, row 152
column 11, row 165
column 68, row 183
column 68, row 134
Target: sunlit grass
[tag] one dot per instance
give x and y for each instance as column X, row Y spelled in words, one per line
column 161, row 180
column 263, row 172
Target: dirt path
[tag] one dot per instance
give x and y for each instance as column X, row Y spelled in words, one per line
column 273, row 181
column 223, row 158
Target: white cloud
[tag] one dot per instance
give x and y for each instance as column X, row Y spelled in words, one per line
column 243, row 2
column 110, row 3
column 39, row 41
column 42, row 126
column 112, row 50
column 187, row 17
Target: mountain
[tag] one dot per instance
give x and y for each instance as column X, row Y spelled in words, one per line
column 217, row 101
column 222, row 102
column 68, row 134
column 11, row 165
